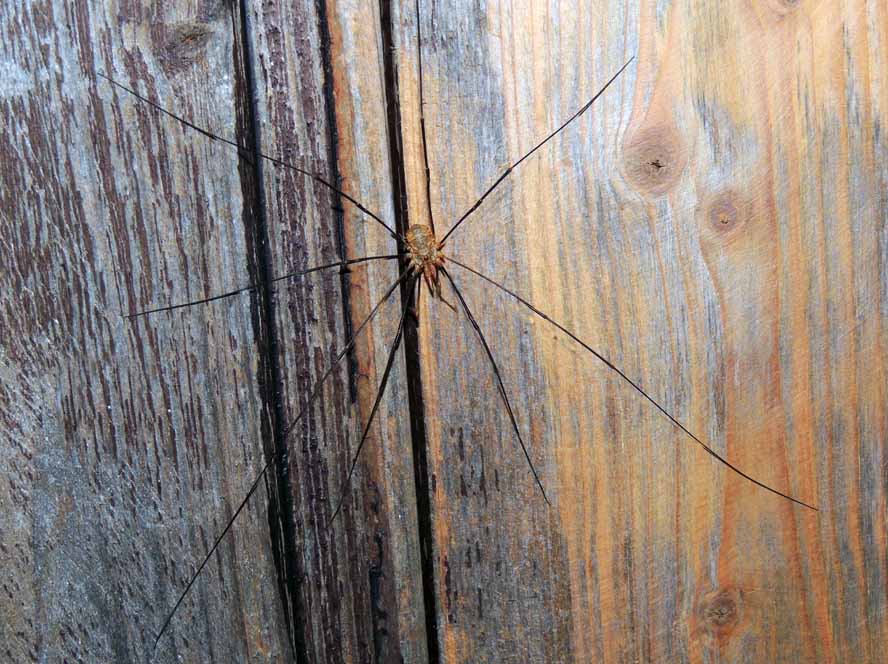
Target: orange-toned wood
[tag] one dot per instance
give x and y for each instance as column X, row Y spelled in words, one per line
column 716, row 225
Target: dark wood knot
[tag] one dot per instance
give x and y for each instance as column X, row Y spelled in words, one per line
column 724, row 212
column 182, row 44
column 654, row 159
column 719, row 612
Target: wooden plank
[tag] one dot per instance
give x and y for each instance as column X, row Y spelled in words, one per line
column 361, row 599
column 177, row 435
column 126, row 444
column 716, row 226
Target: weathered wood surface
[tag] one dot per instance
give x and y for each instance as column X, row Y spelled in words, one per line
column 717, row 224
column 126, row 443
column 360, row 595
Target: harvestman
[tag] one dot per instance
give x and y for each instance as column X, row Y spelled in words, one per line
column 424, row 261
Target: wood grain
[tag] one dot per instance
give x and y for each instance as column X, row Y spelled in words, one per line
column 361, row 596
column 126, row 443
column 141, row 438
column 716, row 225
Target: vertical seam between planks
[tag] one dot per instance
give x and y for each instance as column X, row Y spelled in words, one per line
column 336, row 179
column 411, row 338
column 282, row 531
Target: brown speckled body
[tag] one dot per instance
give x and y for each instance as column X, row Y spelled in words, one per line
column 425, row 255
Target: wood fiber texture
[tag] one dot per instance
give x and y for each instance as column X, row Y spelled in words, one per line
column 716, row 225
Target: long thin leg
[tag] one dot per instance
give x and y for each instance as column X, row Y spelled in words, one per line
column 379, row 392
column 251, row 287
column 244, row 153
column 416, row 300
column 505, row 174
column 425, row 150
column 631, row 382
column 316, row 391
column 499, row 380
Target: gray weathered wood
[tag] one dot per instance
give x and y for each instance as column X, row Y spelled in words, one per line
column 126, row 443
column 361, row 598
column 716, row 224
column 180, row 419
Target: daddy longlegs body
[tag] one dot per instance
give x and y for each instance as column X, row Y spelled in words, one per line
column 424, row 260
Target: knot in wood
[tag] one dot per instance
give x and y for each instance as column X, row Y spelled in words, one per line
column 719, row 613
